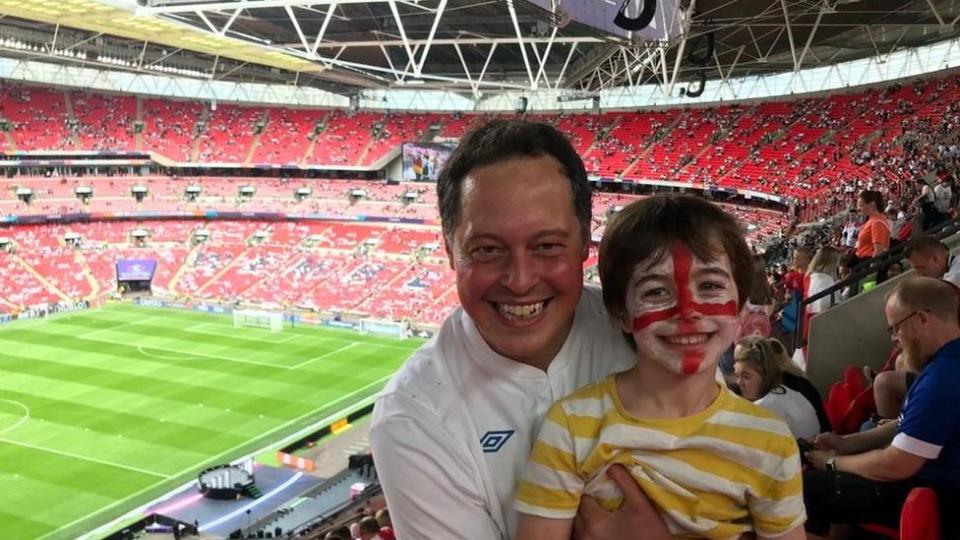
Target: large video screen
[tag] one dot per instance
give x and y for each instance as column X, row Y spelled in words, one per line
column 135, row 269
column 422, row 161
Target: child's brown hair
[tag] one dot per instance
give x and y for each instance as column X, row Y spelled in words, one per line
column 644, row 230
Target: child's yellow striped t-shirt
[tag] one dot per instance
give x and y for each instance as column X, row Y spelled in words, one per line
column 730, row 469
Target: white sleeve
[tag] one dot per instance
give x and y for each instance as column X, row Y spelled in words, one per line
column 431, row 489
column 818, row 283
column 953, row 274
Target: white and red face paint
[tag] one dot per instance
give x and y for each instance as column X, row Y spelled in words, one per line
column 682, row 311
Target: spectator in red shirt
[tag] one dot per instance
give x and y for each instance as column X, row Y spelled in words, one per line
column 794, row 278
column 386, row 526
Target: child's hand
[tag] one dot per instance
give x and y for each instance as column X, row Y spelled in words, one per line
column 635, row 514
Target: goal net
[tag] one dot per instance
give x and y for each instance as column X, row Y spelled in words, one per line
column 258, row 319
column 384, row 328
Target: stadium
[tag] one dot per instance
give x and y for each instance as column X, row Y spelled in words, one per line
column 220, row 235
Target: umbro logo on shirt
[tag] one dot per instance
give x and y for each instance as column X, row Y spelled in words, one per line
column 493, row 441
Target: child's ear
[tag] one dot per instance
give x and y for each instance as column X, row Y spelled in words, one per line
column 626, row 325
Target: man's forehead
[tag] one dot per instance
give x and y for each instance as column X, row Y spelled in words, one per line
column 894, row 306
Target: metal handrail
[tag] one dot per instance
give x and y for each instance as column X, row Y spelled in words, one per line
column 871, row 266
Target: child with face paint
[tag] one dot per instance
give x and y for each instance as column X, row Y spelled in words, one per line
column 675, row 271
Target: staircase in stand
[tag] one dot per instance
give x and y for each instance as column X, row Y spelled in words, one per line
column 138, row 135
column 43, row 281
column 72, row 140
column 198, row 135
column 187, row 263
column 252, row 491
column 87, row 274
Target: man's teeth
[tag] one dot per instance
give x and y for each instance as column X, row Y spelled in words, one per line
column 520, row 312
column 696, row 339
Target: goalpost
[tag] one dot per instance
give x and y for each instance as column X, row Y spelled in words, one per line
column 258, row 319
column 384, row 328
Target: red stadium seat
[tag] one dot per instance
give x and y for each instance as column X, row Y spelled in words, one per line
column 838, row 401
column 853, row 378
column 860, row 410
column 919, row 518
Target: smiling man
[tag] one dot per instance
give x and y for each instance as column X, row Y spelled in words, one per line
column 453, row 430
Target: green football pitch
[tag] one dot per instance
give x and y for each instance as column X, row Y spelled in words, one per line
column 104, row 410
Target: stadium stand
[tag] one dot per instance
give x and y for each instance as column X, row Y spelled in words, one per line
column 104, row 122
column 170, row 127
column 39, row 117
column 345, row 249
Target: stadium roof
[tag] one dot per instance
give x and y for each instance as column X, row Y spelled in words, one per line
column 469, row 46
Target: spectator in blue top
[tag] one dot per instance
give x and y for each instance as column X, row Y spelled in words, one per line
column 855, row 483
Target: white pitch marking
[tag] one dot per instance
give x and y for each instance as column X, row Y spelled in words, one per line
column 26, row 415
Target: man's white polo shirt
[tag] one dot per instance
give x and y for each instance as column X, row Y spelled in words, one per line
column 453, row 429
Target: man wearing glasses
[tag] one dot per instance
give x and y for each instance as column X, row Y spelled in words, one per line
column 865, row 477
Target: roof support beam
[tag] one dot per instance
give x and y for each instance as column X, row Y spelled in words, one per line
column 466, row 70
column 390, row 62
column 813, row 32
column 53, row 42
column 403, row 36
column 483, row 71
column 936, row 13
column 143, row 54
column 725, row 77
column 206, row 21
column 216, row 62
column 461, row 41
column 296, row 26
column 164, row 57
column 895, row 45
column 91, row 38
column 367, row 70
column 786, row 20
column 756, row 45
column 563, row 70
column 236, row 13
column 683, row 46
column 626, row 63
column 228, row 73
column 543, row 61
column 242, row 4
column 323, row 27
column 433, row 31
column 523, row 48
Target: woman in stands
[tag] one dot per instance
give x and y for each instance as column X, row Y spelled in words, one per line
column 821, row 275
column 763, row 371
column 760, row 299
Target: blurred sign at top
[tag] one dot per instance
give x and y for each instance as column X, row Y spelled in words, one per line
column 665, row 25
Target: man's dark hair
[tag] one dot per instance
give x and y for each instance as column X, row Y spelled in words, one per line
column 927, row 246
column 644, row 230
column 369, row 525
column 873, row 196
column 498, row 141
column 339, row 534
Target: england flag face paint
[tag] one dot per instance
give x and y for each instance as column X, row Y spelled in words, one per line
column 682, row 311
